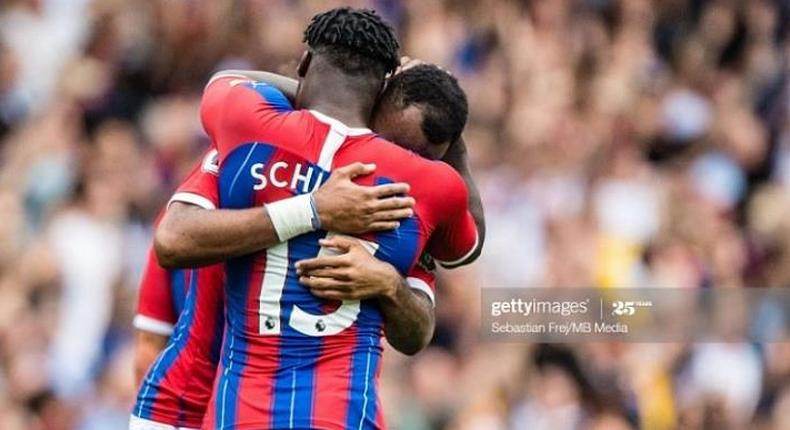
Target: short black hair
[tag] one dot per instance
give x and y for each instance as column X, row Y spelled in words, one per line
column 438, row 94
column 356, row 40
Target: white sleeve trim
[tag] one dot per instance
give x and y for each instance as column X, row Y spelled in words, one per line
column 153, row 325
column 463, row 260
column 420, row 285
column 193, row 199
column 137, row 423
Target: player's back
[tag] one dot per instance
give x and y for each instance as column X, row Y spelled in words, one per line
column 290, row 359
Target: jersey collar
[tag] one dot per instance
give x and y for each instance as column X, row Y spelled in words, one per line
column 349, row 131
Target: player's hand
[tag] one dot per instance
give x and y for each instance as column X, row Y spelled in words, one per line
column 407, row 63
column 354, row 274
column 346, row 207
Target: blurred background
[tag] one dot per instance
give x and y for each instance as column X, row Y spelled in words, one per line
column 617, row 143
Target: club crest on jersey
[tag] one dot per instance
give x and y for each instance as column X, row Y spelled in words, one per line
column 302, row 178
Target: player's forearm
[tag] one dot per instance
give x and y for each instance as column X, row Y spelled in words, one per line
column 286, row 85
column 409, row 319
column 353, row 273
column 458, row 159
column 190, row 236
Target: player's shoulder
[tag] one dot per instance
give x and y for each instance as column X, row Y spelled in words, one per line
column 403, row 157
column 441, row 175
column 391, row 149
column 445, row 184
column 271, row 95
column 237, row 85
column 436, row 173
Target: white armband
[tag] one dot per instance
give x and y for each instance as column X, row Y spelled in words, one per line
column 293, row 216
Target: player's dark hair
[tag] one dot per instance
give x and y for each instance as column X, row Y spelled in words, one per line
column 357, row 41
column 437, row 93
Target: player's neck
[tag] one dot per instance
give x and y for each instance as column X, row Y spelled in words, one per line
column 344, row 113
column 339, row 98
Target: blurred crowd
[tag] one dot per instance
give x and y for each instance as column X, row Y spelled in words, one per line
column 617, row 143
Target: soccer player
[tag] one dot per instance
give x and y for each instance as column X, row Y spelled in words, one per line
column 282, row 344
column 178, row 384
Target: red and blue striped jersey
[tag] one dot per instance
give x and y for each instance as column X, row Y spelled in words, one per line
column 290, row 359
column 177, row 387
column 160, row 298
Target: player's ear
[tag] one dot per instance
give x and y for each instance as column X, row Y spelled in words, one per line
column 304, row 64
column 383, row 87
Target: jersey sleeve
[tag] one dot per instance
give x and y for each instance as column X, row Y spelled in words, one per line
column 155, row 307
column 235, row 109
column 423, row 279
column 200, row 188
column 455, row 239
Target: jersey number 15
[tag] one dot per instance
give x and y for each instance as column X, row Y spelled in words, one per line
column 270, row 307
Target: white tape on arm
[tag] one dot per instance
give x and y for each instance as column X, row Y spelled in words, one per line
column 292, row 216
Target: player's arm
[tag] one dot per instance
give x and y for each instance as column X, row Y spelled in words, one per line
column 155, row 316
column 190, row 236
column 458, row 158
column 356, row 274
column 408, row 315
column 286, row 85
column 456, row 240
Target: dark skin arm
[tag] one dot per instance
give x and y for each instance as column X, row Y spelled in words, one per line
column 189, row 236
column 356, row 274
column 457, row 157
column 409, row 316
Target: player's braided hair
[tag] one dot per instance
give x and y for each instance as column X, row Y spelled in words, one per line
column 442, row 101
column 356, row 40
